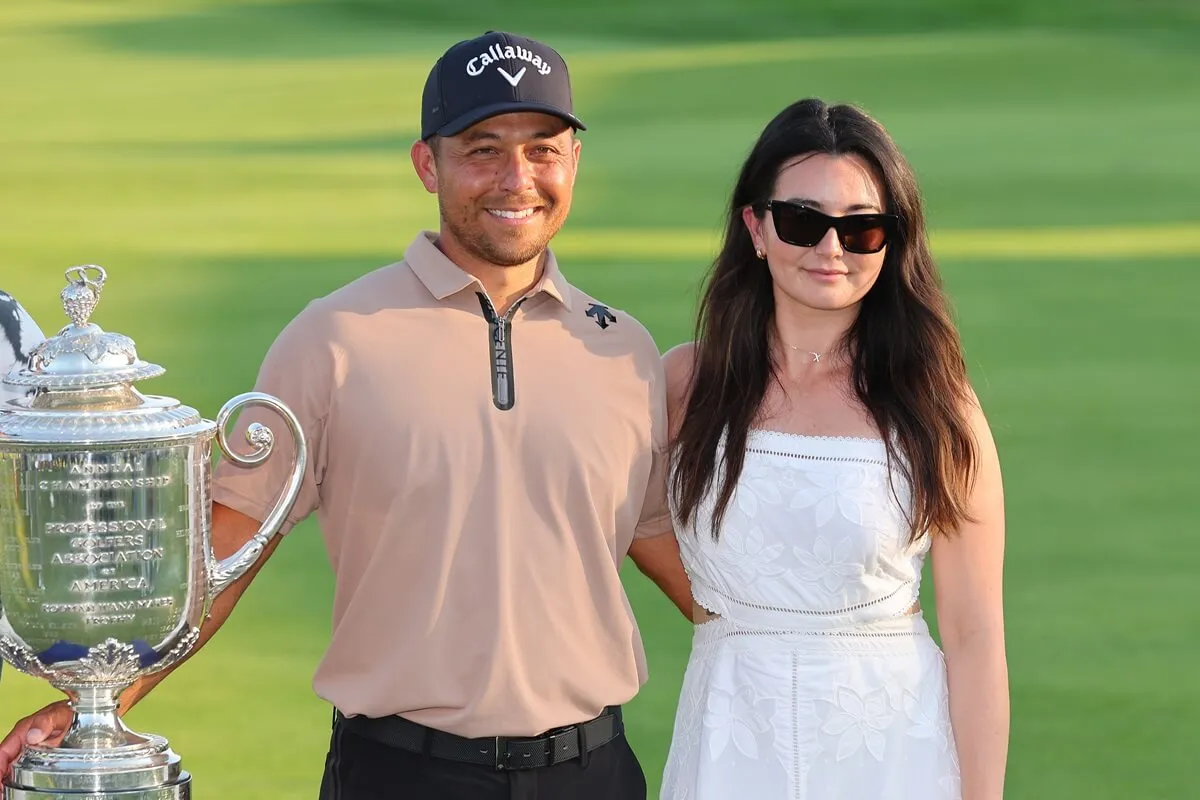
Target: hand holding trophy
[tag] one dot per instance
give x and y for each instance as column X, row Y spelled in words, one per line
column 106, row 565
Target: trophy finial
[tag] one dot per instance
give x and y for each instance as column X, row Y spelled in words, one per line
column 82, row 293
column 81, row 357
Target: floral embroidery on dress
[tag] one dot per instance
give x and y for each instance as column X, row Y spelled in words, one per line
column 829, row 566
column 749, row 558
column 740, row 716
column 753, row 491
column 845, row 489
column 928, row 709
column 859, row 720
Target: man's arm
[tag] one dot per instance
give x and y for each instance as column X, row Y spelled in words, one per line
column 231, row 530
column 657, row 553
column 658, row 559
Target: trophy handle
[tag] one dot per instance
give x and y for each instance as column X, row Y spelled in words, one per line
column 229, row 570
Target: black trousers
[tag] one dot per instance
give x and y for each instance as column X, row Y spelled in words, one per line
column 358, row 768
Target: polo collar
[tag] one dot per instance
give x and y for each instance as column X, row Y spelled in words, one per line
column 443, row 278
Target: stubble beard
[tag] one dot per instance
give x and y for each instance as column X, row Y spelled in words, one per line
column 513, row 253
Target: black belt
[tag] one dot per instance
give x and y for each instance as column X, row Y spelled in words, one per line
column 501, row 752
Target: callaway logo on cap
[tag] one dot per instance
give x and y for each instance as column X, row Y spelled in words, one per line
column 497, row 73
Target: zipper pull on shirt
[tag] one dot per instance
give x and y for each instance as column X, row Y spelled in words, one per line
column 500, row 344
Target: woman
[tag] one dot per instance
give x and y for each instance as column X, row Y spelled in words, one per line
column 825, row 439
column 18, row 335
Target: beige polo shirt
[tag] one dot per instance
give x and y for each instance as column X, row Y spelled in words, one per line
column 477, row 486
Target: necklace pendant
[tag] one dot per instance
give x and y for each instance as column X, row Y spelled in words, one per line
column 816, row 358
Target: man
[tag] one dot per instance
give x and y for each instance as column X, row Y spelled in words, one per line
column 485, row 445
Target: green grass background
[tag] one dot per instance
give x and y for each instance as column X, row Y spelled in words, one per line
column 228, row 160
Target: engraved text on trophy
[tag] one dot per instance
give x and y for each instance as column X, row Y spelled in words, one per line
column 95, row 546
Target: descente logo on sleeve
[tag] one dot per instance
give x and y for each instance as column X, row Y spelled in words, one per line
column 497, row 53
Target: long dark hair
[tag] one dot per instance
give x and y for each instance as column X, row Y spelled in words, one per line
column 907, row 367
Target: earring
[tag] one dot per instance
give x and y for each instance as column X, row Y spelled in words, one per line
column 761, row 255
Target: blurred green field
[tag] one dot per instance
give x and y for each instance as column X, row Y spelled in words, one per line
column 227, row 161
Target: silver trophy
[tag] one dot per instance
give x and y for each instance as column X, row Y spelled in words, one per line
column 106, row 565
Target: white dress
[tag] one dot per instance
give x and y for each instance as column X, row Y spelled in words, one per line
column 816, row 683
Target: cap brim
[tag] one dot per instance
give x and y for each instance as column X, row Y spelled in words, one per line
column 475, row 115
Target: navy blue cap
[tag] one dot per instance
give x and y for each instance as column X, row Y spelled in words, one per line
column 497, row 73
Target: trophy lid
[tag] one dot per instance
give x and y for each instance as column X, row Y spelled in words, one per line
column 82, row 356
column 80, row 385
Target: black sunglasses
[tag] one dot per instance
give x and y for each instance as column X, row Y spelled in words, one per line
column 799, row 225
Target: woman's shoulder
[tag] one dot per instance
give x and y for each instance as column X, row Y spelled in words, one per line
column 679, row 363
column 678, row 366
